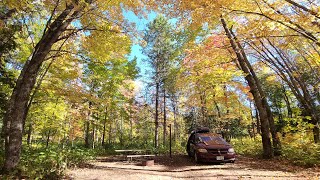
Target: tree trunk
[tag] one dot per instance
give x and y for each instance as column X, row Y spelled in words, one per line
column 93, row 134
column 174, row 123
column 110, row 134
column 87, row 130
column 156, row 133
column 266, row 142
column 217, row 108
column 17, row 108
column 253, row 124
column 121, row 130
column 258, row 121
column 205, row 121
column 131, row 127
column 71, row 131
column 104, row 128
column 29, row 134
column 275, row 138
column 87, row 126
column 164, row 118
column 286, row 99
column 316, row 133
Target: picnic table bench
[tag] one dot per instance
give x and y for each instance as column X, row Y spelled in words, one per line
column 139, row 155
column 134, row 153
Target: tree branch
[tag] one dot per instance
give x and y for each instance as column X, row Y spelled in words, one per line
column 282, row 23
column 303, row 8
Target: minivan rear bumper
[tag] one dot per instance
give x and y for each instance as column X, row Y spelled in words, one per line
column 208, row 157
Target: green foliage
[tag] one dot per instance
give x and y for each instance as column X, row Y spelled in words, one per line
column 298, row 124
column 247, row 146
column 299, row 149
column 177, row 148
column 160, row 47
column 7, row 45
column 8, row 41
column 302, row 154
column 295, row 147
column 50, row 163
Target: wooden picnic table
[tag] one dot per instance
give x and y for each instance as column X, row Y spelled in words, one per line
column 131, row 150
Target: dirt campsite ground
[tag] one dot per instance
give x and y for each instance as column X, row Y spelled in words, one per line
column 183, row 167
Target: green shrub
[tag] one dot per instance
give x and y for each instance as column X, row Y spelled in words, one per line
column 248, row 146
column 176, row 148
column 179, row 148
column 298, row 149
column 301, row 150
column 50, row 163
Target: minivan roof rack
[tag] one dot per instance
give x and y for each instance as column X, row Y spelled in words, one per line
column 201, row 130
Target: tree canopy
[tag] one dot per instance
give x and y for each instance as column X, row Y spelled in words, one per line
column 243, row 68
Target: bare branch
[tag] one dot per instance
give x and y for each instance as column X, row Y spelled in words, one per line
column 303, row 8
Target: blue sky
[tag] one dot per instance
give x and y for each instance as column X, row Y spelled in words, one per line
column 136, row 49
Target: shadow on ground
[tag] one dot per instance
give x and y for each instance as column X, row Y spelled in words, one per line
column 182, row 163
column 178, row 163
column 182, row 166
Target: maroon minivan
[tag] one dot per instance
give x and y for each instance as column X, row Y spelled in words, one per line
column 204, row 146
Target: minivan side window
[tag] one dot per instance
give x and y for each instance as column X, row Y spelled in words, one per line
column 198, row 140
